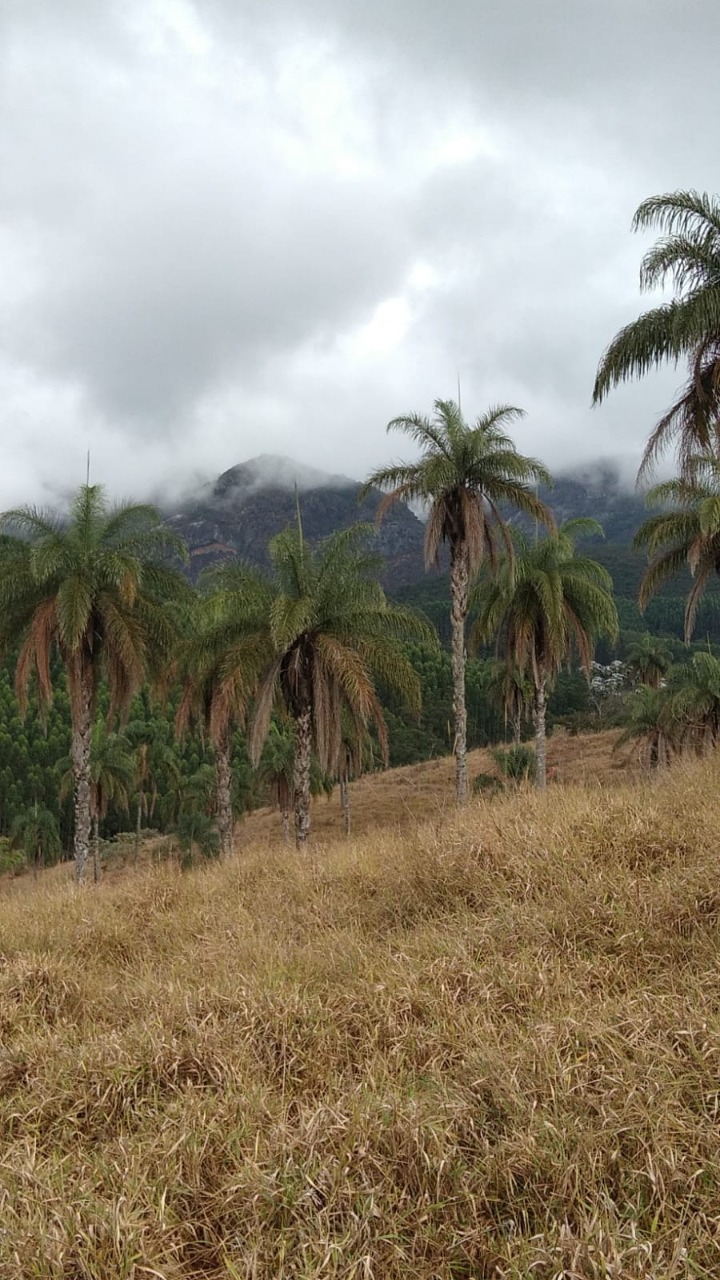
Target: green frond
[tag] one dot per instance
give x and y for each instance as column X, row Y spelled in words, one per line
column 31, row 523
column 421, row 430
column 690, row 262
column 644, row 344
column 683, row 212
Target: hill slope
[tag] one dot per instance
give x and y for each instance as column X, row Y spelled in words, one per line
column 488, row 1048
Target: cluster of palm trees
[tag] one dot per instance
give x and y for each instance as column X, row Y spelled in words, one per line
column 538, row 599
column 100, row 590
column 675, row 713
column 309, row 645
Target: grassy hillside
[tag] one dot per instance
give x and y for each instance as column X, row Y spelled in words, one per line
column 486, row 1045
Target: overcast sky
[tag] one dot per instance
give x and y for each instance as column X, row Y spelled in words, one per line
column 234, row 227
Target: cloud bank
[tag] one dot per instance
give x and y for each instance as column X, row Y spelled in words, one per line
column 229, row 229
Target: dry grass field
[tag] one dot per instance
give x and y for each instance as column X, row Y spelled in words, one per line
column 452, row 1047
column 400, row 798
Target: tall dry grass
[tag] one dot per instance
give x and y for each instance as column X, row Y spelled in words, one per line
column 489, row 1047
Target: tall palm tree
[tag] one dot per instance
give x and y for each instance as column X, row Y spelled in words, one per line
column 685, row 328
column 220, row 662
column 543, row 605
column 467, row 477
column 330, row 634
column 685, row 533
column 93, row 588
column 648, row 660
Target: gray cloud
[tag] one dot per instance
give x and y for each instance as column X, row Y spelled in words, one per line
column 228, row 229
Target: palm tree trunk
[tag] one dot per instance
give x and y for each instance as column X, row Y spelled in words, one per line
column 81, row 741
column 459, row 592
column 540, row 734
column 286, row 825
column 345, row 802
column 517, row 727
column 96, row 847
column 223, row 789
column 301, row 775
column 138, row 826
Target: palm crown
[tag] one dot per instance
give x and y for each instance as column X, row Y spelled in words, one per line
column 685, row 328
column 95, row 587
column 333, row 632
column 466, row 476
column 685, row 533
column 551, row 601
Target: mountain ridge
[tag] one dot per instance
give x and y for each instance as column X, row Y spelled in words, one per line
column 239, row 512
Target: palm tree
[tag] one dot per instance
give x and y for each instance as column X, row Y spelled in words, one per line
column 466, row 476
column 652, row 722
column 276, row 768
column 356, row 752
column 685, row 533
column 686, row 328
column 36, row 832
column 196, row 793
column 220, row 663
column 549, row 601
column 196, row 831
column 93, row 588
column 648, row 660
column 156, row 763
column 696, row 700
column 511, row 689
column 330, row 633
column 112, row 774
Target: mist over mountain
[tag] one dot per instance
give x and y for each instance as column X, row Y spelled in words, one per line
column 238, row 514
column 600, row 491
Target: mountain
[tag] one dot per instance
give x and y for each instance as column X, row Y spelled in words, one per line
column 240, row 512
column 597, row 491
column 245, row 506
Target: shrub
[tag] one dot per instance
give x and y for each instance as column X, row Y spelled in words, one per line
column 516, row 762
column 12, row 861
column 487, row 784
column 196, row 833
